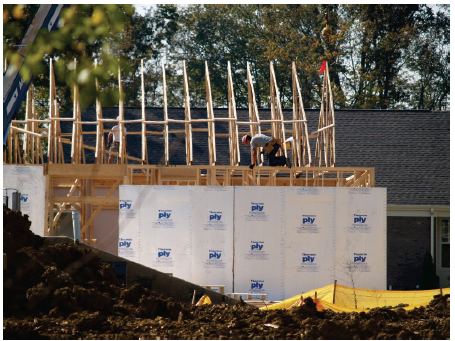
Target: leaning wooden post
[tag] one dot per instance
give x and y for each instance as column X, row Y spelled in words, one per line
column 253, row 110
column 121, row 117
column 99, row 149
column 188, row 125
column 74, row 138
column 304, row 129
column 278, row 133
column 334, row 291
column 233, row 127
column 144, row 126
column 332, row 118
column 28, row 115
column 50, row 130
column 166, row 124
column 210, row 116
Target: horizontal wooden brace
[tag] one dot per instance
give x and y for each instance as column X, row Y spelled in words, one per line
column 99, row 200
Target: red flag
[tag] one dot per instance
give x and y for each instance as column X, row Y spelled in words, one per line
column 323, row 67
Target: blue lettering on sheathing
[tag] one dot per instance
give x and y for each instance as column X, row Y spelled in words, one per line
column 164, row 215
column 256, row 285
column 308, row 220
column 215, row 216
column 215, row 255
column 257, row 246
column 24, row 198
column 125, row 205
column 124, row 243
column 359, row 259
column 307, row 259
column 257, row 208
column 164, row 253
column 359, row 220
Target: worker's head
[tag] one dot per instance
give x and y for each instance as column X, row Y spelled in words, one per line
column 246, row 140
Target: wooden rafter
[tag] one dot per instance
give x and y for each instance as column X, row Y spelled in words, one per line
column 144, row 126
column 233, row 128
column 325, row 143
column 210, row 117
column 188, row 125
column 255, row 128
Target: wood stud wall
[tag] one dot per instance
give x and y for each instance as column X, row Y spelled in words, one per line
column 279, row 128
column 81, row 179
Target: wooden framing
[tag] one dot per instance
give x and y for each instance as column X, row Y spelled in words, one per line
column 255, row 127
column 302, row 155
column 233, row 128
column 325, row 143
column 297, row 127
column 210, row 118
column 82, row 180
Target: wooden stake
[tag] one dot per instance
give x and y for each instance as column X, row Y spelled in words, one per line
column 194, row 298
column 334, row 291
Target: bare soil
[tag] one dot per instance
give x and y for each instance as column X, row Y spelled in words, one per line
column 63, row 291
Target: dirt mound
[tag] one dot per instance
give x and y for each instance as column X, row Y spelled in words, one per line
column 63, row 291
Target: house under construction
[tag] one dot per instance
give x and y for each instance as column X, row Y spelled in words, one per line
column 173, row 146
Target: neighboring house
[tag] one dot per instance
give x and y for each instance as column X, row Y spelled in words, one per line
column 409, row 150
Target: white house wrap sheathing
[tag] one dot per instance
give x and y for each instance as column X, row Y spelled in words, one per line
column 185, row 231
column 279, row 241
column 259, row 240
column 30, row 182
column 309, row 220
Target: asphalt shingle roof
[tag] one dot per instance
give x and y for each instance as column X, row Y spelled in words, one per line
column 408, row 148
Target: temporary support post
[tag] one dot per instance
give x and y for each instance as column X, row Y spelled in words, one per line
column 121, row 118
column 50, row 134
column 253, row 111
column 233, row 129
column 75, row 150
column 210, row 117
column 99, row 149
column 277, row 124
column 301, row 141
column 166, row 126
column 144, row 128
column 325, row 143
column 334, row 291
column 188, row 125
column 28, row 114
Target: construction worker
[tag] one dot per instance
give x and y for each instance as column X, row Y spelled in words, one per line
column 113, row 141
column 269, row 145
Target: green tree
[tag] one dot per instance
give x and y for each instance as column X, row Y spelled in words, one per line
column 430, row 60
column 85, row 32
column 384, row 33
column 147, row 37
column 218, row 34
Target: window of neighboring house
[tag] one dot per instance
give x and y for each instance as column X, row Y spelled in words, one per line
column 445, row 243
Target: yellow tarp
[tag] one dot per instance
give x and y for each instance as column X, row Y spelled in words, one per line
column 366, row 298
column 204, row 300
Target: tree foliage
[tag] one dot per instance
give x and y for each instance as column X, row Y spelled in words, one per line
column 379, row 56
column 85, row 32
